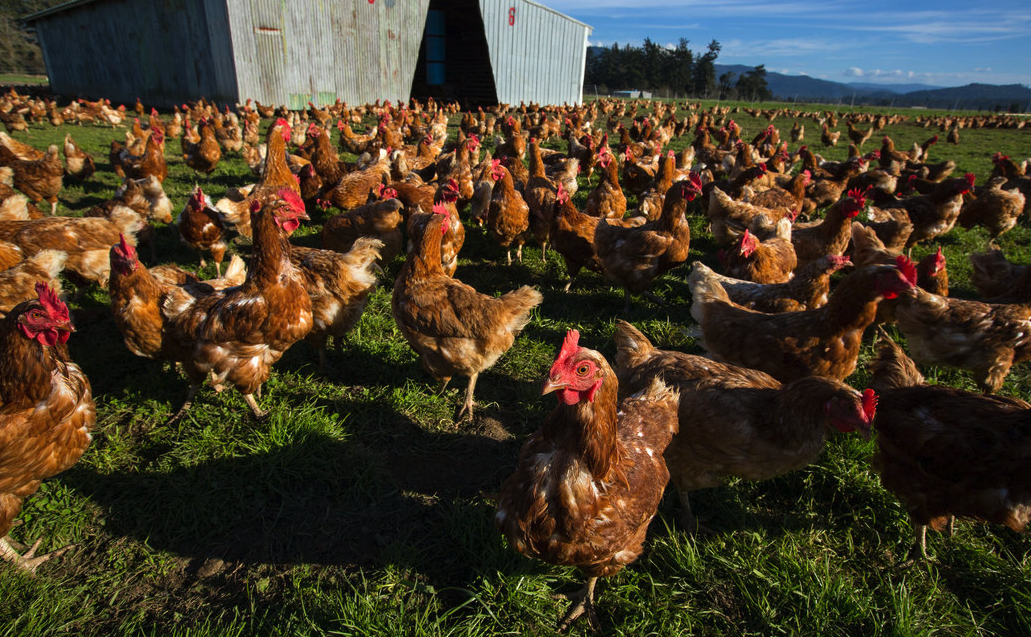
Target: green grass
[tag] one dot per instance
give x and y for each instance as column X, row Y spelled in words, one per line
column 22, row 79
column 362, row 508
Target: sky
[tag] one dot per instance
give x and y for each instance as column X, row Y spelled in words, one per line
column 940, row 43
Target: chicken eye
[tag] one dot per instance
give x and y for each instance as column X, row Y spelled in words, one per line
column 583, row 369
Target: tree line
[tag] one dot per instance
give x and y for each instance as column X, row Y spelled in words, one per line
column 673, row 71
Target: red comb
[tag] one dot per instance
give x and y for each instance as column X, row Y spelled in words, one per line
column 53, row 303
column 971, row 178
column 292, row 199
column 869, row 404
column 907, row 268
column 570, row 345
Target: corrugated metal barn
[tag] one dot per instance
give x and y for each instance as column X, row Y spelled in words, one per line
column 169, row 51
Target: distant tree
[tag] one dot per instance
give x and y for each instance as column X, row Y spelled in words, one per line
column 726, row 84
column 752, row 85
column 704, row 75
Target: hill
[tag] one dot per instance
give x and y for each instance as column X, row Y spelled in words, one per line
column 971, row 96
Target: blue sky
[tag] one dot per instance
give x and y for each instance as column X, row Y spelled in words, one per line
column 942, row 43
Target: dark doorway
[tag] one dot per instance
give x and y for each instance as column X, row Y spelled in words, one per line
column 454, row 62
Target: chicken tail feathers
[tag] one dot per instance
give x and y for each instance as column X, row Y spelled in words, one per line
column 632, row 347
column 520, row 302
column 704, row 289
column 893, row 369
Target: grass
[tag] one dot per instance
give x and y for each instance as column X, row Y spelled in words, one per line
column 362, row 508
column 23, row 79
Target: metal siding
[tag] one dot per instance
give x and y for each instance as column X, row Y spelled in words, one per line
column 158, row 51
column 331, row 49
column 539, row 59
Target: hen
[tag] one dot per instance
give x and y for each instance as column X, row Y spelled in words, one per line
column 734, row 421
column 339, row 286
column 926, row 437
column 829, row 235
column 984, row 338
column 807, row 290
column 589, row 481
column 454, row 329
column 79, row 166
column 236, row 335
column 632, row 257
column 202, row 228
column 994, row 208
column 18, row 283
column 46, row 410
column 150, row 163
column 999, row 281
column 508, row 217
column 790, row 346
column 380, row 220
column 204, row 155
column 40, row 179
column 769, row 261
column 606, row 200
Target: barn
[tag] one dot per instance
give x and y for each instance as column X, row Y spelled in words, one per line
column 358, row 51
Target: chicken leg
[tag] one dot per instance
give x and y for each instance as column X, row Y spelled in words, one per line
column 467, row 408
column 259, row 414
column 583, row 604
column 190, row 395
column 28, row 561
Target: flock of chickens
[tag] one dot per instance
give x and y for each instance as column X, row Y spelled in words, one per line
column 781, row 340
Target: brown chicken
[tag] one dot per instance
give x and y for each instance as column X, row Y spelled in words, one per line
column 236, row 335
column 994, row 208
column 633, row 257
column 14, row 206
column 275, row 176
column 589, row 481
column 150, row 163
column 454, row 329
column 202, row 228
column 508, row 217
column 46, row 410
column 40, row 179
column 985, row 338
column 931, row 274
column 540, row 200
column 793, row 345
column 204, row 155
column 572, row 236
column 138, row 294
column 728, row 219
column 831, row 234
column 79, row 166
column 769, row 261
column 934, row 214
column 606, row 200
column 18, row 283
column 380, row 220
column 353, row 188
column 339, row 286
column 807, row 290
column 85, row 240
column 738, row 422
column 454, row 237
column 999, row 281
column 926, row 437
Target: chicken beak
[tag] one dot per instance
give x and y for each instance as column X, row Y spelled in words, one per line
column 866, row 432
column 66, row 326
column 551, row 385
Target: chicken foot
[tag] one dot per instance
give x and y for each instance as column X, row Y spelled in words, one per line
column 190, row 395
column 28, row 561
column 687, row 518
column 259, row 414
column 583, row 604
column 467, row 408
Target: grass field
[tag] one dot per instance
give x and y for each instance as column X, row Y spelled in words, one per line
column 362, row 508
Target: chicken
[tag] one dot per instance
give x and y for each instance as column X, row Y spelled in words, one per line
column 202, row 228
column 18, row 283
column 856, row 136
column 339, row 286
column 10, row 255
column 14, row 206
column 46, row 410
column 275, row 176
column 606, row 200
column 85, row 240
column 454, row 329
column 236, row 335
column 807, row 290
column 589, row 481
column 454, row 237
column 985, row 338
column 946, row 452
column 999, row 281
column 828, row 137
column 935, row 214
column 831, row 234
column 650, row 201
column 734, row 421
column 931, row 274
column 204, row 155
column 791, row 196
column 769, row 261
column 508, row 217
column 79, row 166
column 150, row 163
column 378, row 220
column 40, row 179
column 994, row 208
column 572, row 236
column 792, row 345
column 540, row 200
column 632, row 257
column 728, row 218
column 138, row 294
